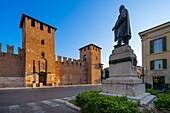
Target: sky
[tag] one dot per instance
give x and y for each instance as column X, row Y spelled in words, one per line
column 82, row 22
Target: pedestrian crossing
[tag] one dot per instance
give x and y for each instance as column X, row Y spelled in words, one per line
column 45, row 106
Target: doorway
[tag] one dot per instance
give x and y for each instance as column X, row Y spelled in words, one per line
column 43, row 78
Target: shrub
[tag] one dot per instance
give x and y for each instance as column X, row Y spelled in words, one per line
column 166, row 88
column 93, row 102
column 153, row 92
column 148, row 85
column 162, row 103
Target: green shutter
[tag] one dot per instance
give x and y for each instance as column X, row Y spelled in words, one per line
column 164, row 44
column 151, row 47
column 164, row 63
column 151, row 65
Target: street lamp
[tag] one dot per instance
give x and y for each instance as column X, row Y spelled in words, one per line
column 143, row 74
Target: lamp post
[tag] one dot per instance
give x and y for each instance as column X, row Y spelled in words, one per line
column 143, row 74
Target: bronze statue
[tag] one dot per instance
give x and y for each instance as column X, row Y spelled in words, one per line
column 121, row 29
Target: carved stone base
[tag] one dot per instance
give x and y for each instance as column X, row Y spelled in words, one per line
column 127, row 86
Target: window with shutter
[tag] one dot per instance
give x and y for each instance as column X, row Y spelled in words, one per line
column 164, row 63
column 158, row 45
column 151, row 65
column 164, row 44
column 151, row 47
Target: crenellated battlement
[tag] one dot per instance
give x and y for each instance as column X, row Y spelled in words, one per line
column 37, row 24
column 69, row 61
column 10, row 50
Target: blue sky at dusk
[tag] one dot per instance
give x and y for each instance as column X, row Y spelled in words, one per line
column 82, row 22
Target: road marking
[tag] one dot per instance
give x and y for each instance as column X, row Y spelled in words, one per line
column 50, row 103
column 60, row 100
column 14, row 109
column 35, row 107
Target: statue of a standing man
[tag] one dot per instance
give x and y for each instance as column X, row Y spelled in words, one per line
column 121, row 29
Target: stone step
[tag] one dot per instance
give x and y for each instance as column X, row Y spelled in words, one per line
column 139, row 97
column 148, row 99
column 143, row 95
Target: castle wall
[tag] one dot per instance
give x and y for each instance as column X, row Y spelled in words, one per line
column 11, row 68
column 70, row 71
column 10, row 64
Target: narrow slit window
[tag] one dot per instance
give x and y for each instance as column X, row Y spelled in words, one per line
column 42, row 42
column 43, row 54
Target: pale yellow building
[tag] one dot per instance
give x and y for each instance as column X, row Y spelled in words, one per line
column 156, row 55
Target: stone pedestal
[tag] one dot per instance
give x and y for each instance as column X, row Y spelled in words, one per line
column 123, row 79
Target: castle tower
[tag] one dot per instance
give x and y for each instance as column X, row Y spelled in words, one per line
column 91, row 56
column 39, row 50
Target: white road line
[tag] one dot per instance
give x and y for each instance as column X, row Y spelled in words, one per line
column 50, row 103
column 36, row 107
column 60, row 100
column 14, row 109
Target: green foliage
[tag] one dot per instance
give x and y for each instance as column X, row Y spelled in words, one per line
column 106, row 72
column 93, row 102
column 166, row 88
column 72, row 102
column 162, row 103
column 151, row 91
column 148, row 85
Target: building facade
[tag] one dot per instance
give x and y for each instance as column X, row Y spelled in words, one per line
column 156, row 55
column 36, row 61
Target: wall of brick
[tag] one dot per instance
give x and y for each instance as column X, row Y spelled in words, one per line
column 11, row 65
column 70, row 71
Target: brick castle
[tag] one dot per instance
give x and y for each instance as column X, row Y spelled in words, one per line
column 36, row 61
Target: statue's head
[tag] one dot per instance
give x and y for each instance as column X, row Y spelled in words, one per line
column 121, row 7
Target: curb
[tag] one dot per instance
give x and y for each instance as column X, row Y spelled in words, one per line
column 73, row 106
column 9, row 88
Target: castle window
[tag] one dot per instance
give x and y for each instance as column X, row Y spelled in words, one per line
column 84, row 57
column 41, row 26
column 96, row 58
column 49, row 30
column 42, row 42
column 43, row 66
column 33, row 23
column 84, row 49
column 43, row 54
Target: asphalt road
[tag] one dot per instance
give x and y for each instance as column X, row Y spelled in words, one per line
column 40, row 100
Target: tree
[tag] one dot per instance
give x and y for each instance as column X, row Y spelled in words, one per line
column 106, row 72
